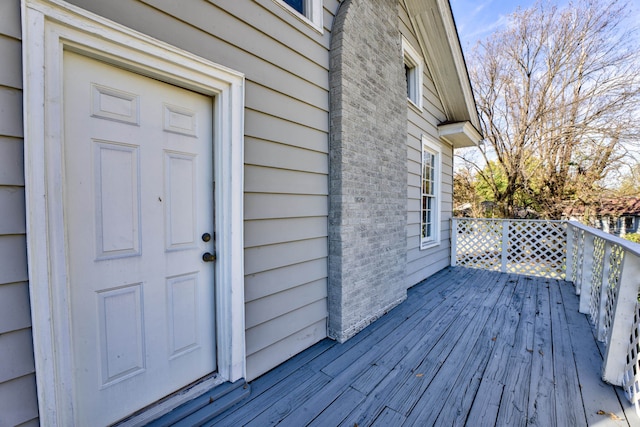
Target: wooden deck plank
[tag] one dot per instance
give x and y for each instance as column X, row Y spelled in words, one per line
column 421, row 320
column 464, row 391
column 389, row 417
column 404, row 394
column 486, row 406
column 542, row 410
column 431, row 401
column 401, row 337
column 288, row 403
column 569, row 410
column 515, row 396
column 409, row 374
column 425, row 303
column 468, row 347
column 601, row 404
column 370, row 378
column 335, row 413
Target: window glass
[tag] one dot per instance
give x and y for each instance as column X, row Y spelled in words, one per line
column 296, row 4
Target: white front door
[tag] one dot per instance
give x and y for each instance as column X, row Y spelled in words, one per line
column 138, row 202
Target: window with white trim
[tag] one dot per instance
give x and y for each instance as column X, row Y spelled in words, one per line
column 413, row 70
column 309, row 10
column 430, row 194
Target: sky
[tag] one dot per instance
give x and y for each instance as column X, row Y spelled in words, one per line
column 476, row 19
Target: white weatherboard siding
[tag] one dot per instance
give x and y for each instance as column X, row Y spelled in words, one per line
column 18, row 402
column 424, row 263
column 285, row 62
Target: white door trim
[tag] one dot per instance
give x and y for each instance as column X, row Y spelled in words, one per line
column 48, row 28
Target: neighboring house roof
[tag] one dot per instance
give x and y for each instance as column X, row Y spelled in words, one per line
column 438, row 38
column 609, row 207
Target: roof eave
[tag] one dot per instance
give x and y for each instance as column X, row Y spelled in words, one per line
column 440, row 45
column 460, row 134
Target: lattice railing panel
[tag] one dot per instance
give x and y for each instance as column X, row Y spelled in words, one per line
column 596, row 278
column 613, row 286
column 478, row 243
column 631, row 380
column 537, row 248
column 578, row 257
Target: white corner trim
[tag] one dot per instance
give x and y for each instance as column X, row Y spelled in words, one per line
column 48, row 28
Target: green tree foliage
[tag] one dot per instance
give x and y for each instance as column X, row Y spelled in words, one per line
column 635, row 237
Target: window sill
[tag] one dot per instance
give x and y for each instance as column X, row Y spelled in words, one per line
column 418, row 109
column 429, row 245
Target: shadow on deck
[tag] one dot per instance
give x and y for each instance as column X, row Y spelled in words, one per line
column 468, row 347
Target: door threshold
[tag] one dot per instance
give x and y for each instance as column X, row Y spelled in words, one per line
column 167, row 404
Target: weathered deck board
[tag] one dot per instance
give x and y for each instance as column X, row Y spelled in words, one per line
column 468, row 347
column 588, row 358
column 567, row 386
column 542, row 405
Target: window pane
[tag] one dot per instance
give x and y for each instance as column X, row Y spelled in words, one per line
column 432, row 167
column 296, row 4
column 407, row 76
column 426, row 186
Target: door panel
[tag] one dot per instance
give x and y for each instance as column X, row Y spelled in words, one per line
column 138, row 194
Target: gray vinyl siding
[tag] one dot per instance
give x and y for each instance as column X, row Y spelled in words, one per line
column 423, row 263
column 286, row 63
column 18, row 400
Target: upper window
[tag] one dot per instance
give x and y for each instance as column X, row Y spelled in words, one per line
column 430, row 194
column 309, row 10
column 413, row 69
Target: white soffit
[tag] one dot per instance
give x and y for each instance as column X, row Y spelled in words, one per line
column 460, row 134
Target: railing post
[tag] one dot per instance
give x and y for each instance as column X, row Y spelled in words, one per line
column 454, row 241
column 568, row 263
column 505, row 246
column 587, row 273
column 602, row 308
column 614, row 362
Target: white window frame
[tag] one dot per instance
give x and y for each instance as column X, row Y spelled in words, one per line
column 433, row 148
column 312, row 15
column 49, row 27
column 414, row 61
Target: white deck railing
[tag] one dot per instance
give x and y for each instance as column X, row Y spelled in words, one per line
column 605, row 270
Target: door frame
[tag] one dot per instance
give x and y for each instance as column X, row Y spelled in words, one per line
column 49, row 27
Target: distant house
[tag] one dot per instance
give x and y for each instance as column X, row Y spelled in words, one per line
column 615, row 216
column 192, row 192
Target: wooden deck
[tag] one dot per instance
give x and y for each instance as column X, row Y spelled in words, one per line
column 468, row 347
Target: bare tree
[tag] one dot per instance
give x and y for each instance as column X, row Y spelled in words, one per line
column 558, row 94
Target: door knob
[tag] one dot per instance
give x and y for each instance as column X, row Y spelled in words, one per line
column 208, row 257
